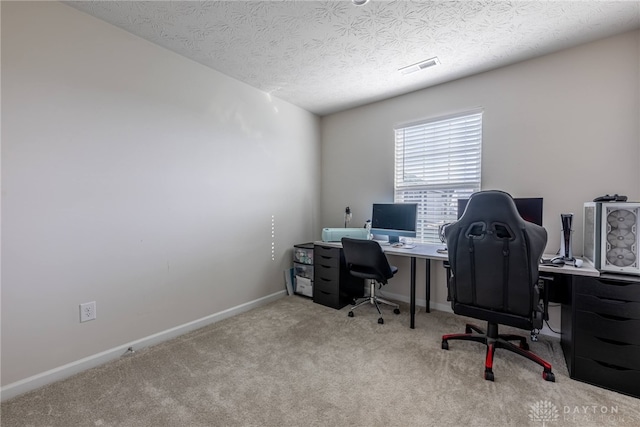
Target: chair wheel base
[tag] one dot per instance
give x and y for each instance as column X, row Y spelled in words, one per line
column 549, row 376
column 381, row 320
column 488, row 375
column 396, row 311
column 350, row 314
column 493, row 340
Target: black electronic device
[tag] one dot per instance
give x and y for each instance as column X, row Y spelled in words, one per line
column 553, row 262
column 394, row 220
column 608, row 198
column 529, row 208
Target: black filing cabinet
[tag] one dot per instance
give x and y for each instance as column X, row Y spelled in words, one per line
column 601, row 332
column 333, row 286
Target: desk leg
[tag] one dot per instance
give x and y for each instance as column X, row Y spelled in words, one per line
column 413, row 293
column 427, row 281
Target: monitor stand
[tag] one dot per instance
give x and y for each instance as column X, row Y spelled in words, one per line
column 394, row 239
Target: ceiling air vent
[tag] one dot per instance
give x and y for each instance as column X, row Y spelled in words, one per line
column 420, row 65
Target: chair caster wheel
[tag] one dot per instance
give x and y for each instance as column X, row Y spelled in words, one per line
column 549, row 376
column 488, row 375
column 350, row 314
column 468, row 330
column 524, row 346
column 396, row 311
column 381, row 320
column 445, row 345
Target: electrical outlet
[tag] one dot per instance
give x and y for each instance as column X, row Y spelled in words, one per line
column 87, row 311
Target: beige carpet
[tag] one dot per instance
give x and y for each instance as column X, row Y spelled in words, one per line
column 296, row 363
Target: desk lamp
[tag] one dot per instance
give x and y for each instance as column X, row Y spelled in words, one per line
column 347, row 216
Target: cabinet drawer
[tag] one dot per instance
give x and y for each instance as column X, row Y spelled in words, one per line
column 606, row 375
column 624, row 290
column 328, row 299
column 326, row 272
column 327, row 285
column 326, row 256
column 617, row 353
column 612, row 327
column 606, row 306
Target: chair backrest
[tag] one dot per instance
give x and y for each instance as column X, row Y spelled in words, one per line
column 494, row 256
column 365, row 258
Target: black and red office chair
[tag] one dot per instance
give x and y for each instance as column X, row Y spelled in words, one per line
column 494, row 256
column 365, row 259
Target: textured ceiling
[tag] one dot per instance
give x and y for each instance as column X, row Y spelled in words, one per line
column 327, row 56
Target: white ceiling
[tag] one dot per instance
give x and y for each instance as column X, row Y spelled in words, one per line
column 327, row 56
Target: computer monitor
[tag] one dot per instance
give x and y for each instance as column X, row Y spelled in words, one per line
column 394, row 220
column 530, row 208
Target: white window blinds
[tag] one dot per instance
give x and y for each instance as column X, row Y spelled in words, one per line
column 438, row 162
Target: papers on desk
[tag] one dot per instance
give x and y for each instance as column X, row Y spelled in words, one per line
column 403, row 246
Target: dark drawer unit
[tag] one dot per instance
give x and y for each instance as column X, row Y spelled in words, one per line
column 327, row 256
column 601, row 332
column 333, row 285
column 606, row 375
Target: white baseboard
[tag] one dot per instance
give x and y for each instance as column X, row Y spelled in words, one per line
column 39, row 380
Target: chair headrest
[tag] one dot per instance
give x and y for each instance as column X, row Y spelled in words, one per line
column 492, row 206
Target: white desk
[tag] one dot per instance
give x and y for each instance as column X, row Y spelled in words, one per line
column 429, row 252
column 422, row 251
column 587, row 268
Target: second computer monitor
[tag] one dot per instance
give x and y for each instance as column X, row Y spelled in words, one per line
column 394, row 220
column 530, row 208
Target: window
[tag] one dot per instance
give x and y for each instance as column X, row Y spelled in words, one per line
column 438, row 162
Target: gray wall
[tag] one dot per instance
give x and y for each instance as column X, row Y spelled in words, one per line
column 564, row 127
column 138, row 179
